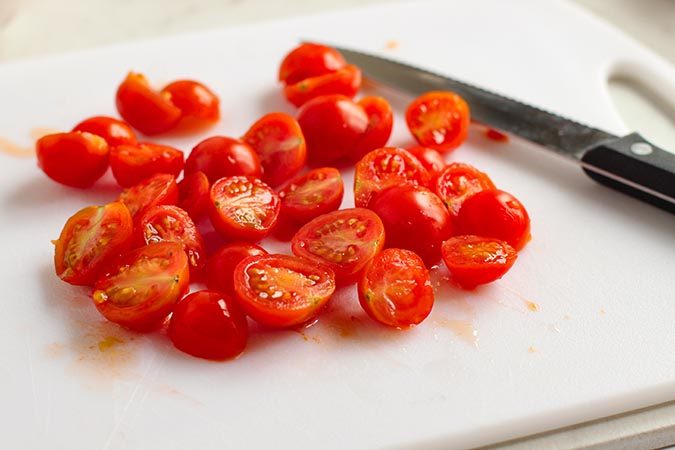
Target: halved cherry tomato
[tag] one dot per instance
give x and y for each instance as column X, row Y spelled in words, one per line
column 439, row 120
column 309, row 60
column 344, row 240
column 193, row 192
column 193, row 99
column 431, row 159
column 345, row 81
column 220, row 266
column 282, row 290
column 221, row 156
column 143, row 108
column 132, row 164
column 74, row 159
column 380, row 123
column 459, row 181
column 90, row 240
column 383, row 168
column 496, row 214
column 168, row 223
column 474, row 260
column 280, row 145
column 415, row 219
column 209, row 325
column 332, row 125
column 144, row 287
column 243, row 208
column 114, row 131
column 157, row 190
column 395, row 289
column 317, row 192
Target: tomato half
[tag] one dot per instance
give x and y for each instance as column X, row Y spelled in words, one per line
column 309, row 60
column 431, row 159
column 280, row 145
column 144, row 287
column 344, row 240
column 345, row 81
column 282, row 290
column 380, row 124
column 143, row 108
column 90, row 240
column 157, row 190
column 221, row 156
column 415, row 219
column 74, row 159
column 439, row 120
column 332, row 126
column 193, row 192
column 496, row 214
column 220, row 266
column 209, row 325
column 383, row 168
column 475, row 260
column 132, row 164
column 317, row 192
column 193, row 99
column 458, row 182
column 242, row 208
column 395, row 289
column 115, row 132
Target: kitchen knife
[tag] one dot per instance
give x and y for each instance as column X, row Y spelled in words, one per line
column 629, row 164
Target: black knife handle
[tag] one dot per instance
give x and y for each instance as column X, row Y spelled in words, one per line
column 631, row 162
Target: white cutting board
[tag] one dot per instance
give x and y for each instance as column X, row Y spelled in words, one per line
column 600, row 267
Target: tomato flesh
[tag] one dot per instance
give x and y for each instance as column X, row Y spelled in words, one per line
column 439, row 120
column 115, row 132
column 220, row 266
column 317, row 192
column 431, row 159
column 380, row 124
column 345, row 81
column 193, row 192
column 132, row 164
column 157, row 190
column 475, row 260
column 309, row 60
column 459, row 181
column 75, row 159
column 221, row 156
column 193, row 99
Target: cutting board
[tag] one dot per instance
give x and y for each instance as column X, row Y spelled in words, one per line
column 582, row 327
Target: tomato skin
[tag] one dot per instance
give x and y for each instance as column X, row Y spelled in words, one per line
column 282, row 290
column 439, row 119
column 132, row 164
column 90, row 240
column 459, row 181
column 309, row 60
column 415, row 219
column 431, row 159
column 345, row 81
column 385, row 167
column 308, row 196
column 380, row 124
column 144, row 286
column 114, row 131
column 332, row 125
column 395, row 289
column 279, row 143
column 193, row 99
column 475, row 260
column 496, row 214
column 193, row 194
column 148, row 111
column 157, row 190
column 74, row 159
column 221, row 156
column 209, row 325
column 220, row 266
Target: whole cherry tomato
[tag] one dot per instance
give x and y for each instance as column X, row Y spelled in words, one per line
column 220, row 266
column 157, row 190
column 221, row 156
column 380, row 123
column 345, row 81
column 193, row 99
column 474, row 260
column 193, row 192
column 431, row 159
column 309, row 60
column 114, row 131
column 458, row 182
column 132, row 164
column 317, row 192
column 439, row 120
column 74, row 159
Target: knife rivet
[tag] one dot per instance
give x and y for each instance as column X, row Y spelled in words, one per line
column 641, row 148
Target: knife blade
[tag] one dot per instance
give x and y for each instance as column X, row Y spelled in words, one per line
column 629, row 164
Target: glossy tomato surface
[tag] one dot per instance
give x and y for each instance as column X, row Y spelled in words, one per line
column 431, row 159
column 220, row 266
column 475, row 260
column 459, row 181
column 194, row 100
column 345, row 81
column 439, row 120
column 221, row 156
column 193, row 194
column 74, row 159
column 114, row 131
column 157, row 190
column 132, row 164
column 309, row 60
column 380, row 124
column 317, row 192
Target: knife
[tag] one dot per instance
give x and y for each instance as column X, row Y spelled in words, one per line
column 629, row 164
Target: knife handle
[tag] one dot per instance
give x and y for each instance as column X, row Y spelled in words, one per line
column 635, row 167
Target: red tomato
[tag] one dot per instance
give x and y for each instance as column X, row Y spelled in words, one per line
column 383, row 168
column 317, row 192
column 90, row 240
column 280, row 145
column 132, row 164
column 332, row 126
column 243, row 208
column 74, row 159
column 474, row 260
column 114, row 131
column 221, row 156
column 220, row 266
column 193, row 99
column 415, row 219
column 496, row 135
column 431, row 159
column 458, row 182
column 345, row 81
column 395, row 289
column 309, row 60
column 380, row 123
column 158, row 190
column 168, row 223
column 343, row 240
column 496, row 214
column 439, row 120
column 147, row 110
column 282, row 290
column 193, row 193
column 144, row 287
column 209, row 325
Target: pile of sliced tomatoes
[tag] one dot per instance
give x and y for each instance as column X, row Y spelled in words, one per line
column 140, row 252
